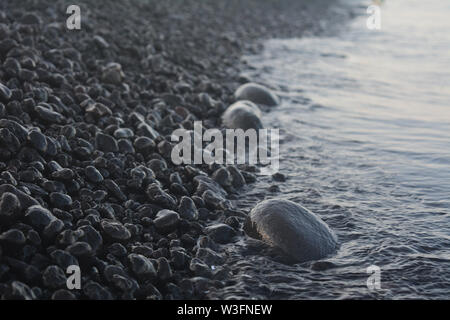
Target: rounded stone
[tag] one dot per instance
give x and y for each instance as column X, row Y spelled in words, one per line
column 9, row 204
column 256, row 93
column 79, row 249
column 123, row 133
column 115, row 230
column 94, row 291
column 54, row 277
column 30, row 19
column 60, row 200
column 106, row 143
column 187, row 209
column 141, row 265
column 242, row 115
column 221, row 233
column 13, row 236
column 49, row 115
column 37, row 140
column 166, row 220
column 93, row 174
column 297, row 231
column 63, row 294
column 5, row 93
column 38, row 216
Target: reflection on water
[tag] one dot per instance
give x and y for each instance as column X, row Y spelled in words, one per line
column 365, row 125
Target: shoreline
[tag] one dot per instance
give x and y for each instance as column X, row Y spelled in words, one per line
column 85, row 137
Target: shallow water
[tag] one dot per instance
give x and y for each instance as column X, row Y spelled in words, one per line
column 365, row 125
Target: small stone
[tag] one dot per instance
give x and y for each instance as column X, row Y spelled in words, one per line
column 115, row 230
column 223, row 177
column 111, row 271
column 187, row 209
column 242, row 115
column 63, row 294
column 274, row 188
column 221, row 233
column 114, row 189
column 117, row 250
column 125, row 146
column 126, row 284
column 63, row 258
column 98, row 110
column 179, row 257
column 54, row 277
column 95, row 291
column 93, row 174
column 106, row 143
column 166, row 220
column 279, row 177
column 5, row 93
column 141, row 265
column 60, row 200
column 80, row 249
column 123, row 133
column 159, row 196
column 175, row 178
column 237, row 177
column 39, row 217
column 164, row 270
column 9, row 205
column 158, row 166
column 213, row 200
column 113, row 73
column 30, row 18
column 49, row 115
column 20, row 290
column 63, row 174
column 54, row 228
column 144, row 144
column 144, row 250
column 91, row 236
column 200, row 268
column 38, row 140
column 34, row 238
column 13, row 236
column 30, row 175
column 257, row 93
column 209, row 257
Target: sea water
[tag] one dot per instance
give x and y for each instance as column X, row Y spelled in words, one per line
column 365, row 144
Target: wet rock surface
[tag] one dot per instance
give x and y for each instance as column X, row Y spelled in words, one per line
column 257, row 93
column 85, row 171
column 297, row 231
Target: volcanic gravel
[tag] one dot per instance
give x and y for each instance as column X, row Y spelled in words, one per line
column 85, row 121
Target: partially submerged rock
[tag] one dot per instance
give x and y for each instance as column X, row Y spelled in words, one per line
column 242, row 115
column 294, row 229
column 256, row 93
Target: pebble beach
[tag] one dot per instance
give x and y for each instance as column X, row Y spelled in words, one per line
column 86, row 177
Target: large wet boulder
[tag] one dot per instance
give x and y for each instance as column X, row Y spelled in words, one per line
column 297, row 231
column 256, row 93
column 242, row 115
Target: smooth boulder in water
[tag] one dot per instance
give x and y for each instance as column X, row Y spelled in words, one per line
column 297, row 231
column 242, row 115
column 257, row 93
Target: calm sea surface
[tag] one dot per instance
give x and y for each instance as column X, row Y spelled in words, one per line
column 365, row 144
